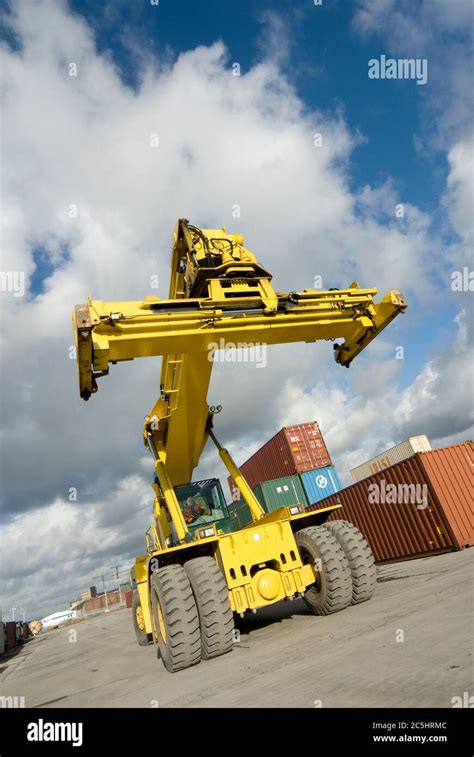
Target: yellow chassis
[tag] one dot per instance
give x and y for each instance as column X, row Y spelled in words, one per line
column 261, row 562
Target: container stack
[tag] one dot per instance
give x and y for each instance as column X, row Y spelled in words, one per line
column 419, row 506
column 293, row 467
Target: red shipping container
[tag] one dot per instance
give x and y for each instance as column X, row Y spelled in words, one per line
column 451, row 472
column 294, row 449
column 397, row 531
column 10, row 634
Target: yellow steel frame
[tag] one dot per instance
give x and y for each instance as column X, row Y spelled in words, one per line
column 218, row 291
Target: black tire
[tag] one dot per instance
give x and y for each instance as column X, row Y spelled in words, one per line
column 143, row 638
column 212, row 599
column 359, row 556
column 176, row 618
column 333, row 589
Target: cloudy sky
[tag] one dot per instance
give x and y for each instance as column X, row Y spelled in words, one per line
column 88, row 205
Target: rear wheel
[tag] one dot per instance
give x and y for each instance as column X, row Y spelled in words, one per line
column 143, row 638
column 176, row 618
column 359, row 556
column 213, row 604
column 332, row 589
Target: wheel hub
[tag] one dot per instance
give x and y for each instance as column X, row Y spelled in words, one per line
column 139, row 618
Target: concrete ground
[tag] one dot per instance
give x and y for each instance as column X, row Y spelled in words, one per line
column 286, row 657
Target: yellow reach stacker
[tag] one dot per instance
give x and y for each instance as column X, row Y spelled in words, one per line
column 198, row 570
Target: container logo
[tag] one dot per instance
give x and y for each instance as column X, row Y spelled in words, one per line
column 321, row 481
column 379, row 465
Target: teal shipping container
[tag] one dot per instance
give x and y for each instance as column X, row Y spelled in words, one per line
column 320, row 483
column 240, row 514
column 280, row 492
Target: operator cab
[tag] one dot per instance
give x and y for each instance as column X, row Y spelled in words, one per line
column 203, row 502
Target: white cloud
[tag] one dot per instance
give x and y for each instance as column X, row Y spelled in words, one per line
column 436, row 401
column 460, row 186
column 410, row 25
column 275, row 41
column 223, row 140
column 50, row 554
column 372, row 414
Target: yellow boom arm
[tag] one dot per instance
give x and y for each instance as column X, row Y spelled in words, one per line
column 219, row 293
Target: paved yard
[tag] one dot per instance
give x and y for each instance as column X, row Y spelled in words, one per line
column 285, row 657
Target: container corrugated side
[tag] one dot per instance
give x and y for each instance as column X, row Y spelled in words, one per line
column 451, row 473
column 281, row 492
column 294, row 449
column 391, row 456
column 320, row 483
column 307, row 446
column 10, row 633
column 394, row 531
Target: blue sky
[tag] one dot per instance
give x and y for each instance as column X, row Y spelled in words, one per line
column 327, row 62
column 305, row 211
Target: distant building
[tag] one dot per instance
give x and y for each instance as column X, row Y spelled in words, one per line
column 88, row 593
column 98, row 601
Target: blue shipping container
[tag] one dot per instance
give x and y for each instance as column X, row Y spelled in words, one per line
column 320, row 483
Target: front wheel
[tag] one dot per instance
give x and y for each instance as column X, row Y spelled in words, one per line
column 332, row 589
column 176, row 618
column 213, row 604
